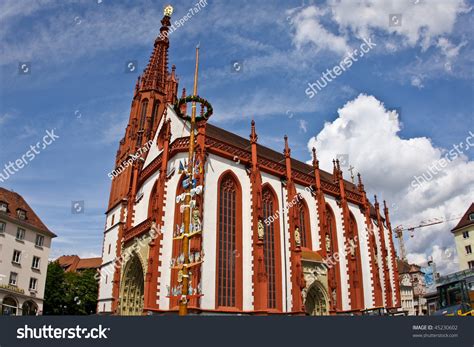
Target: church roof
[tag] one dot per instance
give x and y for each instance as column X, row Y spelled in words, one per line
column 16, row 202
column 270, row 154
column 465, row 220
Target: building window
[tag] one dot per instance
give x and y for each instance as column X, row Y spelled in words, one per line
column 465, row 234
column 229, row 243
column 468, row 249
column 471, row 264
column 3, row 226
column 304, row 226
column 3, row 206
column 20, row 234
column 110, row 246
column 154, row 113
column 113, row 219
column 270, row 206
column 106, row 278
column 35, row 264
column 21, row 214
column 39, row 240
column 142, row 122
column 13, row 278
column 33, row 283
column 16, row 257
column 471, row 216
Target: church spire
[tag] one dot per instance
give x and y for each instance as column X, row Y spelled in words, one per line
column 156, row 73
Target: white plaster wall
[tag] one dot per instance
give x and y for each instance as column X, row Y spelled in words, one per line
column 461, row 244
column 178, row 129
column 108, row 258
column 28, row 249
column 364, row 254
column 313, row 215
column 342, row 256
column 275, row 183
column 106, row 277
column 141, row 208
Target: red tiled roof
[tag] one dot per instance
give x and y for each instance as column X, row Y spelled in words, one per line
column 307, row 254
column 68, row 261
column 465, row 221
column 15, row 201
column 74, row 263
column 403, row 266
column 89, row 263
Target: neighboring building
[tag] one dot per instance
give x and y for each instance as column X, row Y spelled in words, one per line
column 72, row 263
column 268, row 221
column 25, row 243
column 432, row 300
column 464, row 239
column 413, row 288
column 406, row 295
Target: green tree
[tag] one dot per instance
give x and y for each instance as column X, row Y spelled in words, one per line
column 82, row 291
column 70, row 293
column 54, row 293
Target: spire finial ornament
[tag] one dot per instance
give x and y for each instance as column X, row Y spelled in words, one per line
column 168, row 10
column 315, row 157
column 287, row 151
column 253, row 133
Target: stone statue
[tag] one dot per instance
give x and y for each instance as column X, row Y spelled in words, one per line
column 328, row 243
column 352, row 247
column 297, row 237
column 261, row 230
column 196, row 221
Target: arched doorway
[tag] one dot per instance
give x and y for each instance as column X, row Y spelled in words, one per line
column 9, row 306
column 316, row 303
column 29, row 308
column 132, row 291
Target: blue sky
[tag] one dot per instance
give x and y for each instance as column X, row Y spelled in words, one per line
column 78, row 85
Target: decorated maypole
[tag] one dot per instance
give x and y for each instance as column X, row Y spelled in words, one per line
column 188, row 183
column 189, row 203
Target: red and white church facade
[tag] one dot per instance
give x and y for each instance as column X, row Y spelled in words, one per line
column 273, row 235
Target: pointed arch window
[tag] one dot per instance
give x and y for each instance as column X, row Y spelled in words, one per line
column 355, row 266
column 334, row 273
column 304, row 224
column 141, row 124
column 154, row 114
column 229, row 243
column 271, row 246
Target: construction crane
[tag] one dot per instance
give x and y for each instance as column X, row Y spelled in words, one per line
column 400, row 229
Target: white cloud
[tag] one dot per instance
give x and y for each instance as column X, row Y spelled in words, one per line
column 308, row 29
column 5, row 117
column 448, row 49
column 421, row 23
column 417, row 82
column 368, row 133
